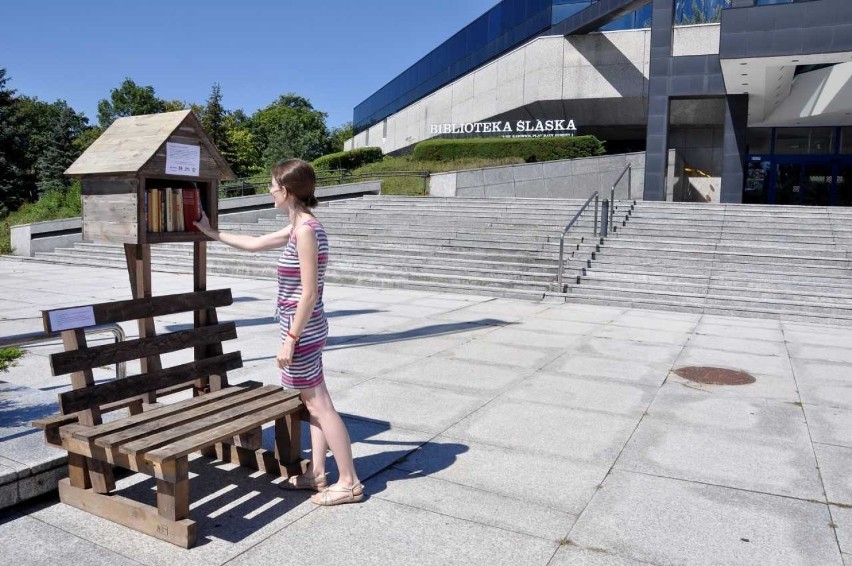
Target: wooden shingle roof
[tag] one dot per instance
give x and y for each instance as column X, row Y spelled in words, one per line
column 130, row 142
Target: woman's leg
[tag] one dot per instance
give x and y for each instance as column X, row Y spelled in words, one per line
column 333, row 432
column 319, row 446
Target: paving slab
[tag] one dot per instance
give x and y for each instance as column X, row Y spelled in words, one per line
column 746, row 461
column 819, row 337
column 573, row 555
column 734, row 330
column 626, row 370
column 822, row 383
column 37, row 543
column 733, row 344
column 488, row 353
column 557, row 326
column 549, row 429
column 512, row 472
column 830, row 425
column 513, row 336
column 592, row 393
column 834, row 467
column 470, row 503
column 413, row 407
column 668, row 521
column 645, row 336
column 364, row 360
column 383, row 532
column 842, row 517
column 459, row 375
column 582, row 313
column 722, row 408
column 616, row 349
column 841, row 355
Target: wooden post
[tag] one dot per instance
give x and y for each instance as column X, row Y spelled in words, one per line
column 100, row 473
column 138, row 258
column 173, row 496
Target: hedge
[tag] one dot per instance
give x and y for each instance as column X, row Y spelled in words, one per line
column 528, row 149
column 349, row 159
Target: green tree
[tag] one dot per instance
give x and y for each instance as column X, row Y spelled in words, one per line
column 52, row 129
column 213, row 117
column 338, row 137
column 174, row 105
column 17, row 184
column 129, row 99
column 60, row 151
column 290, row 127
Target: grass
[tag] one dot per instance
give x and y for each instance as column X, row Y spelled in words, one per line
column 404, row 185
column 51, row 206
column 9, row 357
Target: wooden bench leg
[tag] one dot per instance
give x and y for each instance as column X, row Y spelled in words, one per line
column 173, row 493
column 288, row 442
column 78, row 471
column 100, row 475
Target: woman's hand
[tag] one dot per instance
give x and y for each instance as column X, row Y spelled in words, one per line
column 203, row 224
column 285, row 353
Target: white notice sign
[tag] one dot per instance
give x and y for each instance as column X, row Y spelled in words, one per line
column 183, row 159
column 67, row 319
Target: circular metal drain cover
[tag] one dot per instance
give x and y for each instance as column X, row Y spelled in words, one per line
column 715, row 376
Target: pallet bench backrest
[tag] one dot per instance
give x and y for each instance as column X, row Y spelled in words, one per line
column 207, row 371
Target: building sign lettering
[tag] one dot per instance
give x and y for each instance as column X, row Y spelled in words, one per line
column 521, row 127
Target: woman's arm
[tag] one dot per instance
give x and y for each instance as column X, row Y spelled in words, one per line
column 306, row 246
column 241, row 241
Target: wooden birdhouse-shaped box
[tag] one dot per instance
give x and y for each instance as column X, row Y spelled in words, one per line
column 145, row 179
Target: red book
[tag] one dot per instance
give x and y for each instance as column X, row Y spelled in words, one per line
column 191, row 209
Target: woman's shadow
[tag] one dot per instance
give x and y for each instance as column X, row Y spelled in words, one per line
column 375, row 455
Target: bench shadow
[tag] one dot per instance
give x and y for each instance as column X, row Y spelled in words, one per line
column 231, row 503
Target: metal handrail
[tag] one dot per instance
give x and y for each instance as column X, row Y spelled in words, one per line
column 38, row 337
column 628, row 171
column 568, row 226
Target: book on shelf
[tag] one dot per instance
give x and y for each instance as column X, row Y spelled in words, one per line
column 172, row 209
column 191, row 209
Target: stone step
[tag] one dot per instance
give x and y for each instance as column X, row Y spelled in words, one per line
column 642, row 263
column 805, row 281
column 720, row 300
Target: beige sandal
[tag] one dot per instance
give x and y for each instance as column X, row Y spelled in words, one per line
column 338, row 495
column 303, row 482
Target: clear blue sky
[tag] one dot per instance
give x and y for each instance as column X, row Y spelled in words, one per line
column 334, row 52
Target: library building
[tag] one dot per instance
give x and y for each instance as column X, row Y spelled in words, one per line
column 755, row 95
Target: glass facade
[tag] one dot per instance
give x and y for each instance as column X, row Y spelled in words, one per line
column 505, row 26
column 802, row 166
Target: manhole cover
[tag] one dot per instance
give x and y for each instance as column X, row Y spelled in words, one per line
column 715, row 376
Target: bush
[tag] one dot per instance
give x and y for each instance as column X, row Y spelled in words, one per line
column 528, row 149
column 349, row 159
column 53, row 205
column 9, row 356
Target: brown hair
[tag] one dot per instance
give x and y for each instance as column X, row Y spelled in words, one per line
column 299, row 178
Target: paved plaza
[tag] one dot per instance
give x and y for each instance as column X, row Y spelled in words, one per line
column 488, row 431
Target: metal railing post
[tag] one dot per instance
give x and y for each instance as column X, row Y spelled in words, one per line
column 561, row 264
column 629, row 181
column 37, row 337
column 596, row 229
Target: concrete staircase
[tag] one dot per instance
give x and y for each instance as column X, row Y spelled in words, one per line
column 745, row 260
column 500, row 247
column 739, row 260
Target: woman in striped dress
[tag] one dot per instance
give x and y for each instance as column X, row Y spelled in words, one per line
column 304, row 328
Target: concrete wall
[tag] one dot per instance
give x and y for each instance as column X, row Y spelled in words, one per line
column 568, row 178
column 29, row 239
column 599, row 80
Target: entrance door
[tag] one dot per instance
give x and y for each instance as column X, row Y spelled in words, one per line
column 817, row 181
column 788, row 183
column 844, row 184
column 799, row 180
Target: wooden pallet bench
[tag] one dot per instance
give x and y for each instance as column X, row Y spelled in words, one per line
column 156, row 439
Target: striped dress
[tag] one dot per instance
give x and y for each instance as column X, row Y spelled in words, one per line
column 305, row 370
